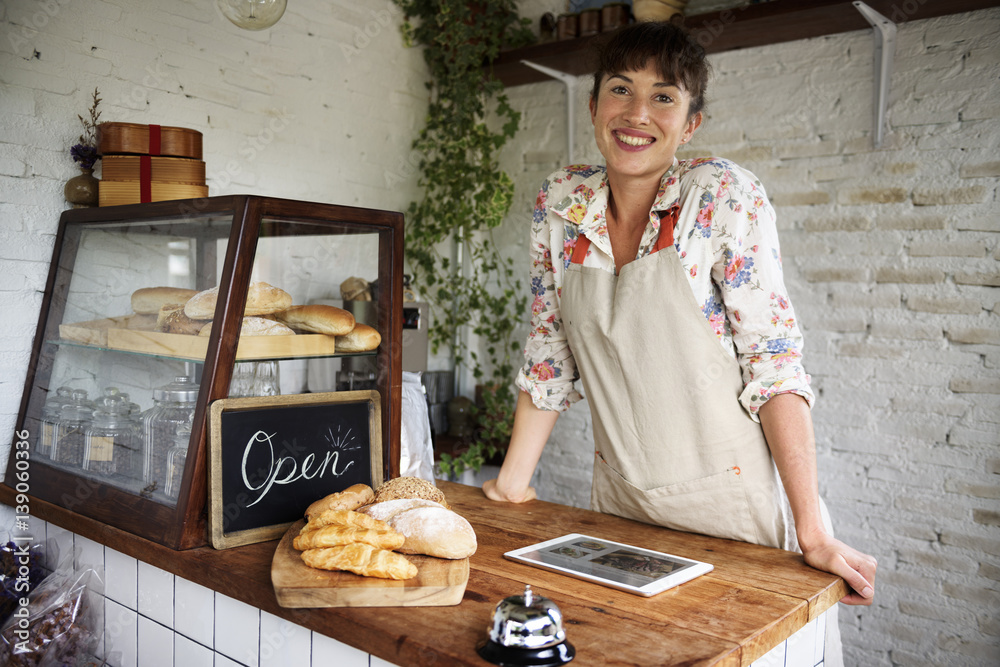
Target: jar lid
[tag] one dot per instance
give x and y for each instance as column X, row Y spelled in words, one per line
column 182, row 390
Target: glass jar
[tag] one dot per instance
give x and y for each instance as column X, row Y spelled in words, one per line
column 74, row 417
column 109, row 442
column 176, row 458
column 173, row 405
column 255, row 378
column 50, row 421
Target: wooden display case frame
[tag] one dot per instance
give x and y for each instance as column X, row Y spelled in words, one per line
column 66, row 495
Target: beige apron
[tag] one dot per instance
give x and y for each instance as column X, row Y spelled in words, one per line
column 673, row 445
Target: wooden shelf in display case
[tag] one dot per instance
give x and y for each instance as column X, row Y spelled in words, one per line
column 102, row 255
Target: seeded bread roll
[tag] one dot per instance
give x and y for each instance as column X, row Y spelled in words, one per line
column 318, row 318
column 149, row 300
column 409, row 487
column 253, row 326
column 362, row 338
column 171, row 319
column 350, row 498
column 262, row 299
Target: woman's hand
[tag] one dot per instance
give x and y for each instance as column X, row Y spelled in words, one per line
column 494, row 492
column 857, row 569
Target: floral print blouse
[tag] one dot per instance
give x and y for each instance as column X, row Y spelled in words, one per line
column 728, row 247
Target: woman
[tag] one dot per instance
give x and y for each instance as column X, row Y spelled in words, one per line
column 658, row 284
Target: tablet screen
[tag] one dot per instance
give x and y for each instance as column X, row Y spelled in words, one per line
column 629, row 568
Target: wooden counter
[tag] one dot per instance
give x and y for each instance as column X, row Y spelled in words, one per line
column 754, row 598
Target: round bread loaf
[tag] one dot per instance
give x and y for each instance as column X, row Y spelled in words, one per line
column 262, row 299
column 350, row 498
column 409, row 487
column 387, row 509
column 253, row 326
column 434, row 531
column 318, row 318
column 149, row 300
column 362, row 338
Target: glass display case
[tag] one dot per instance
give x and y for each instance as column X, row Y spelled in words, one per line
column 116, row 399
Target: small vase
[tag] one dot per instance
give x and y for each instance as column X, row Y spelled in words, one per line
column 81, row 190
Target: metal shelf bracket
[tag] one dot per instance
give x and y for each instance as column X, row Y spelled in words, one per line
column 884, row 32
column 569, row 81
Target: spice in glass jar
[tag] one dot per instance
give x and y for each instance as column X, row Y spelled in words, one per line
column 173, row 405
column 176, row 458
column 74, row 417
column 50, row 421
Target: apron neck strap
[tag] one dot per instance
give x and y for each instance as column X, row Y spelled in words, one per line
column 668, row 220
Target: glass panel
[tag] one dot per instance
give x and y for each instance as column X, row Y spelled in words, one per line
column 113, row 390
column 314, row 264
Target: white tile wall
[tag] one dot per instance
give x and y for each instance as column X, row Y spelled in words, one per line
column 152, row 618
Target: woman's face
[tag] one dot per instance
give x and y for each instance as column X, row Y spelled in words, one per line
column 639, row 121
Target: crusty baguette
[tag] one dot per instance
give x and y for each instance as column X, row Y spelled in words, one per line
column 435, row 531
column 317, row 318
column 262, row 299
column 149, row 300
column 343, row 518
column 362, row 559
column 350, row 498
column 409, row 487
column 335, row 535
column 362, row 338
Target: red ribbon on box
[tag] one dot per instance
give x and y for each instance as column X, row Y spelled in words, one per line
column 146, row 166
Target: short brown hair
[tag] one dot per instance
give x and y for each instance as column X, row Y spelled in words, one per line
column 674, row 53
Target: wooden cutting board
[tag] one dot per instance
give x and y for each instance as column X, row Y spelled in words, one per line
column 440, row 582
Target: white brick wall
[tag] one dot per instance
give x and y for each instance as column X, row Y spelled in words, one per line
column 891, row 259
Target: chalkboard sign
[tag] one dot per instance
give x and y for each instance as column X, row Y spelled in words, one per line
column 270, row 457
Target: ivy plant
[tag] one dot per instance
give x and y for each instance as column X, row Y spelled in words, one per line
column 465, row 196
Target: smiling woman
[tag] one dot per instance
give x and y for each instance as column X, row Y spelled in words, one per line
column 657, row 283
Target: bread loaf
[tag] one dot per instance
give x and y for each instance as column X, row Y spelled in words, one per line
column 317, row 318
column 253, row 326
column 350, row 498
column 387, row 509
column 262, row 299
column 362, row 338
column 434, row 531
column 335, row 535
column 362, row 559
column 149, row 300
column 409, row 487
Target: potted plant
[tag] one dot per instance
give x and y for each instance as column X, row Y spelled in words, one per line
column 465, row 196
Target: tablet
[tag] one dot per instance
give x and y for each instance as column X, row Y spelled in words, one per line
column 640, row 571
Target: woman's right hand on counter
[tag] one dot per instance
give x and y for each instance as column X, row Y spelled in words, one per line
column 491, row 488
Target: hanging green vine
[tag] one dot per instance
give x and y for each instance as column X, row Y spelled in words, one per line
column 465, row 196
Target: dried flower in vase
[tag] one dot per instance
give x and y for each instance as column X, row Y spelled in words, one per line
column 84, row 152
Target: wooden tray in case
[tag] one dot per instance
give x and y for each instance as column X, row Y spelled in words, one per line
column 148, row 140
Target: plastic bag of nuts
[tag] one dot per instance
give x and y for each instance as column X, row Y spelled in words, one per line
column 56, row 627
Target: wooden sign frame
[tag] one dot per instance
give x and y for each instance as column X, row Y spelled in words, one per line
column 218, row 500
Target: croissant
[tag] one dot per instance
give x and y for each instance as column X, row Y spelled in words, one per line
column 343, row 518
column 362, row 559
column 335, row 535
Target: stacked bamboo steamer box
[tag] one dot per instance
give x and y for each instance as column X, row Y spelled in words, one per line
column 147, row 163
column 657, row 10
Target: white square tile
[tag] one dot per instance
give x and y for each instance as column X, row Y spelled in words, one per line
column 89, row 554
column 328, row 652
column 379, row 662
column 237, row 630
column 121, row 578
column 188, row 653
column 120, row 635
column 7, row 520
column 194, row 611
column 282, row 642
column 223, row 661
column 821, row 627
column 156, row 644
column 58, row 547
column 156, row 594
column 773, row 658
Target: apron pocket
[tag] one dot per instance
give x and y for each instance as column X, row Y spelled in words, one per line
column 715, row 505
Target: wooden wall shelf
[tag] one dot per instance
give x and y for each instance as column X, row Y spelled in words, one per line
column 728, row 30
